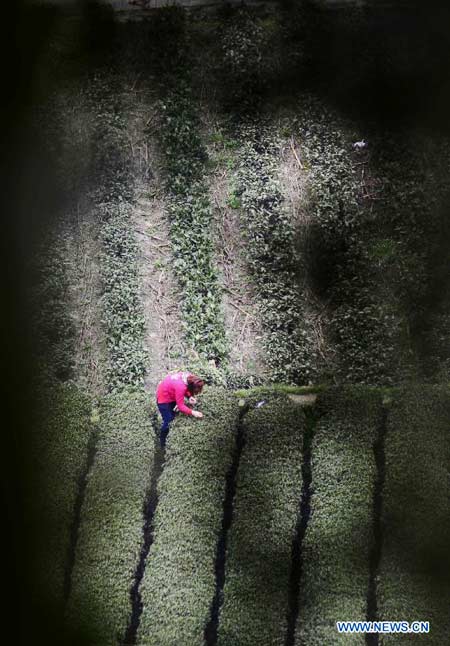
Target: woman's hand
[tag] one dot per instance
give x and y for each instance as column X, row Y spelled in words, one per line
column 197, row 414
column 192, row 400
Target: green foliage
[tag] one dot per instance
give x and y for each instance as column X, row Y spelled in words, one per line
column 365, row 324
column 179, row 584
column 110, row 534
column 111, row 190
column 57, row 459
column 50, row 310
column 413, row 211
column 266, row 225
column 376, row 246
column 190, row 219
column 335, row 550
column 415, row 568
column 122, row 308
column 265, row 514
column 233, row 201
column 241, row 72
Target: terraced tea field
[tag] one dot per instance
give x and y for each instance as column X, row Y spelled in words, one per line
column 268, row 522
column 223, row 214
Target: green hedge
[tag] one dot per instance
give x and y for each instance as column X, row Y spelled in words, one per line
column 58, row 455
column 415, row 566
column 266, row 509
column 339, row 536
column 110, row 535
column 179, row 582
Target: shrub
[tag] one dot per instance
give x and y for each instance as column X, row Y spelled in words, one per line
column 122, row 307
column 335, row 550
column 265, row 514
column 57, row 460
column 414, row 581
column 110, row 534
column 178, row 584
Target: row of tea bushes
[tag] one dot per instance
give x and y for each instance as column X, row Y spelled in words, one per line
column 190, row 216
column 123, row 314
column 57, row 461
column 266, row 508
column 179, row 584
column 415, row 567
column 110, row 534
column 337, row 543
column 340, row 247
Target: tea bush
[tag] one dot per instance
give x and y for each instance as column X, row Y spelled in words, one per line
column 336, row 547
column 110, row 533
column 111, row 191
column 266, row 508
column 190, row 217
column 122, row 307
column 49, row 301
column 241, row 70
column 364, row 322
column 57, row 459
column 414, row 580
column 178, row 585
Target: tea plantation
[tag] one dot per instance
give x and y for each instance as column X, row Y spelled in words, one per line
column 214, row 199
column 240, row 549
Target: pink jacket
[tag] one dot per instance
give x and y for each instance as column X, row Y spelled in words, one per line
column 174, row 389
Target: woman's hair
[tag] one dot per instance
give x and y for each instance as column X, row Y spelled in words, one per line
column 195, row 384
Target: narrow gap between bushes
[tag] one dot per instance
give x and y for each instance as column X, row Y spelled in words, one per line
column 149, row 512
column 301, row 527
column 372, row 639
column 74, row 530
column 210, row 633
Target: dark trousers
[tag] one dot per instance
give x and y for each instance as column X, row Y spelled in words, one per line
column 167, row 414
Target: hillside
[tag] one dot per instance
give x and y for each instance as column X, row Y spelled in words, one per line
column 260, row 196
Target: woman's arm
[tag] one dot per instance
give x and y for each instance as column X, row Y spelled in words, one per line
column 180, row 392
